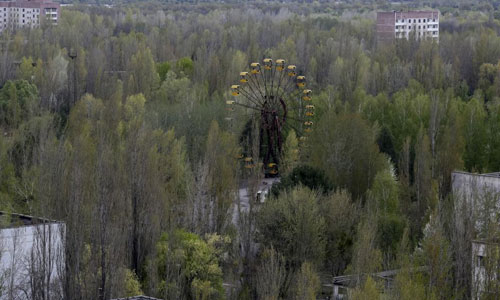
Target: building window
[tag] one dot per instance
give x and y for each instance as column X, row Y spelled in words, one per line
column 409, row 27
column 480, row 261
column 419, row 20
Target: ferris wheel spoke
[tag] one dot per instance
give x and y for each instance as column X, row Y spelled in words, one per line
column 272, row 93
column 250, row 97
column 256, row 85
column 247, row 106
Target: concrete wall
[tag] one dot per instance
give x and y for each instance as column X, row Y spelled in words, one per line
column 28, row 250
column 481, row 193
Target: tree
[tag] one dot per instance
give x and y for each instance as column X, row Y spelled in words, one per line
column 307, row 283
column 162, row 69
column 188, row 267
column 143, row 76
column 341, row 216
column 292, row 223
column 220, row 157
column 290, row 153
column 367, row 292
column 185, row 66
column 345, row 148
column 271, row 275
column 366, row 257
column 307, row 176
column 436, row 254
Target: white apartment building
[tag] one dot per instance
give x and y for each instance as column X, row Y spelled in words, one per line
column 31, row 256
column 26, row 13
column 419, row 24
column 477, row 196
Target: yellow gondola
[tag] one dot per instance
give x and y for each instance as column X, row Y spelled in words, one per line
column 230, row 102
column 255, row 68
column 280, row 64
column 272, row 169
column 239, row 156
column 268, row 63
column 291, row 70
column 301, row 81
column 248, row 162
column 303, row 138
column 308, row 123
column 243, row 77
column 309, row 110
column 306, row 95
column 236, row 89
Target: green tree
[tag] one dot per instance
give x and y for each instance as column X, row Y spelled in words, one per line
column 290, row 155
column 293, row 225
column 307, row 176
column 188, row 266
column 162, row 69
column 184, row 66
column 307, row 283
column 143, row 76
column 369, row 291
column 341, row 216
column 344, row 147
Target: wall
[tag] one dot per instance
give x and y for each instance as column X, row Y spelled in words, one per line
column 31, row 250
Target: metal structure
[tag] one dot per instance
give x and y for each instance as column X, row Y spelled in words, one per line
column 278, row 96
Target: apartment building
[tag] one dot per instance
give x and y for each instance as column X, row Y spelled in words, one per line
column 405, row 24
column 32, row 256
column 27, row 13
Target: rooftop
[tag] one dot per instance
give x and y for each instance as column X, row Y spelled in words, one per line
column 10, row 220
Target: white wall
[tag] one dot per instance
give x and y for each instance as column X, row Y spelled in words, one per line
column 28, row 250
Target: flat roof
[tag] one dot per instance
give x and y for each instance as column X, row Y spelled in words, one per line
column 11, row 220
column 494, row 174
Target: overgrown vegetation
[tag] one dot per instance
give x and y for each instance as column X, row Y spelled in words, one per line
column 128, row 144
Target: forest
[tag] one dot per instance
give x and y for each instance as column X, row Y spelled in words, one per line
column 114, row 121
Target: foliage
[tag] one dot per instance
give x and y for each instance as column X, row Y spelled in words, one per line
column 293, row 225
column 130, row 139
column 132, row 284
column 304, row 175
column 307, row 283
column 346, row 151
column 368, row 291
column 195, row 266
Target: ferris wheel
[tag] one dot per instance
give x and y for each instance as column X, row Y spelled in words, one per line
column 277, row 96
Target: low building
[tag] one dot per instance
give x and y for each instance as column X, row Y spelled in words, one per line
column 27, row 13
column 485, row 264
column 405, row 24
column 31, row 256
column 477, row 197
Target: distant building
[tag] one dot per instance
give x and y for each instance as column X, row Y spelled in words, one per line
column 31, row 256
column 26, row 13
column 485, row 261
column 481, row 193
column 477, row 196
column 420, row 24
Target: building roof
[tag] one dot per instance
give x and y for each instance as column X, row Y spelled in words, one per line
column 10, row 220
column 137, row 298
